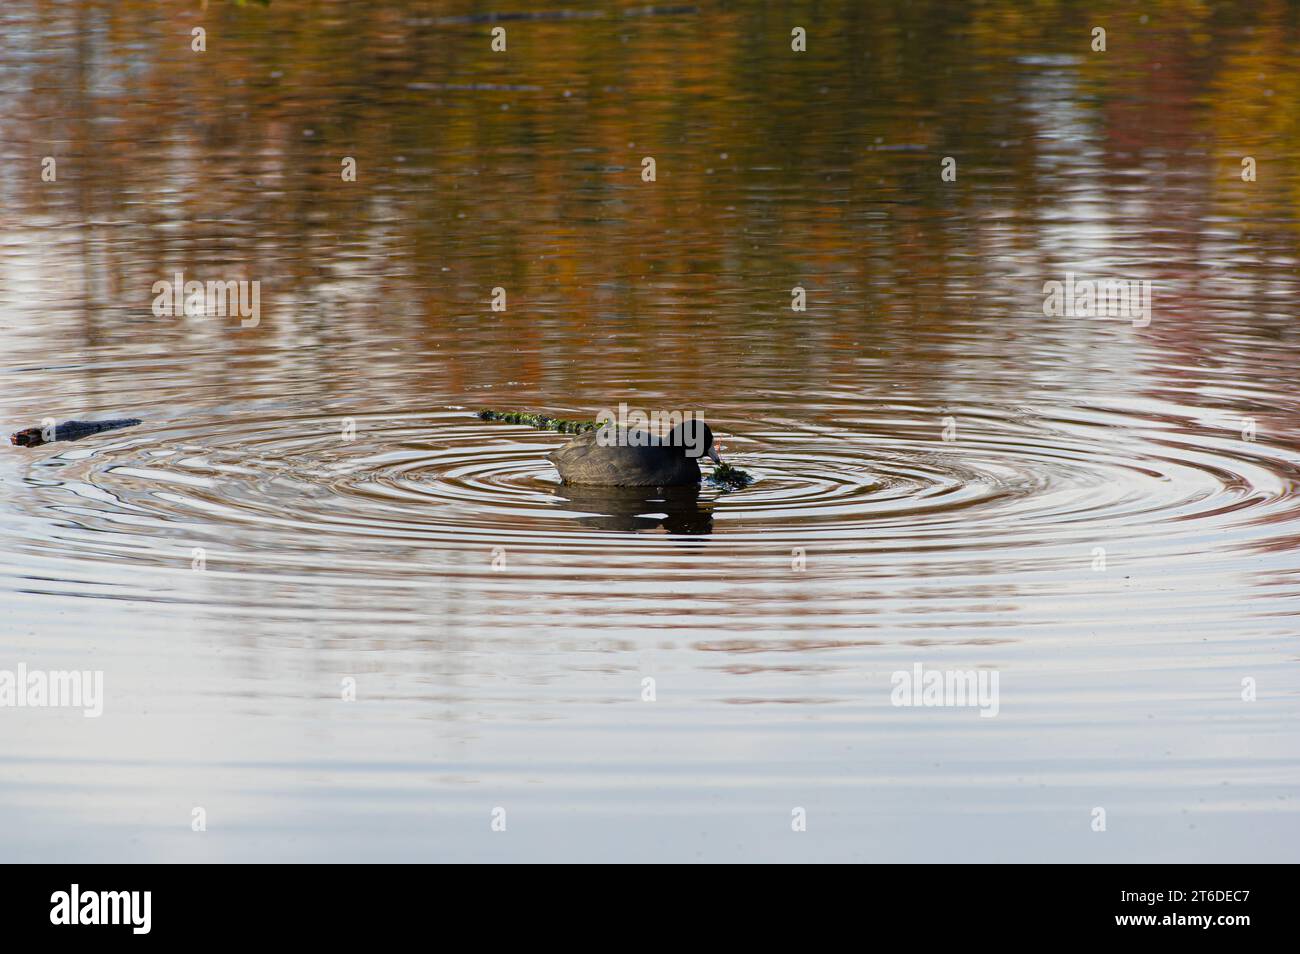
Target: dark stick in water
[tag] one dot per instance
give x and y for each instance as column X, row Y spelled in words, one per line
column 67, row 431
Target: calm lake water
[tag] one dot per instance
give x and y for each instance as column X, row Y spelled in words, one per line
column 1103, row 512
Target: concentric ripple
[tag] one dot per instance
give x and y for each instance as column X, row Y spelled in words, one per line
column 295, row 495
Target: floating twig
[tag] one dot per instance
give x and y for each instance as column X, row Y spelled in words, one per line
column 541, row 421
column 67, row 431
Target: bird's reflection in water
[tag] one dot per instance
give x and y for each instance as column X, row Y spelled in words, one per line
column 644, row 509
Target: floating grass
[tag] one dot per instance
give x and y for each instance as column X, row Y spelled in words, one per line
column 540, row 421
column 726, row 477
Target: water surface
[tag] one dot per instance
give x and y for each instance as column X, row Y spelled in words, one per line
column 942, row 469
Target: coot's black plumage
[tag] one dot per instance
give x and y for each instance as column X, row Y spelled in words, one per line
column 609, row 457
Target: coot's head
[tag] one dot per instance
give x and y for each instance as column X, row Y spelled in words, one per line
column 694, row 438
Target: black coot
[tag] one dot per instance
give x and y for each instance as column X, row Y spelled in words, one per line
column 617, row 457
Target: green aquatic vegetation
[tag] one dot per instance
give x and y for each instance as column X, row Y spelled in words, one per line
column 540, row 421
column 726, row 477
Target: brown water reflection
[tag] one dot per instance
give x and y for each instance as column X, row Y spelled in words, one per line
column 501, row 627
